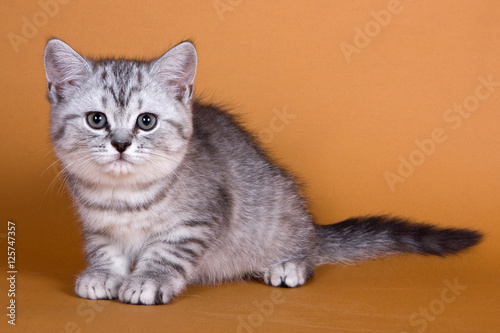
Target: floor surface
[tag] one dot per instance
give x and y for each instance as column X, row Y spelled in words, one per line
column 400, row 294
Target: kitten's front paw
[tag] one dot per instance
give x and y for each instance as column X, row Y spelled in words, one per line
column 98, row 285
column 146, row 290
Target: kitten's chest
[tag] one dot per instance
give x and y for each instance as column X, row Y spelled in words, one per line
column 129, row 211
column 119, row 198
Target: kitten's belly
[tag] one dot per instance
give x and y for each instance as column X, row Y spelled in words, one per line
column 220, row 267
column 232, row 261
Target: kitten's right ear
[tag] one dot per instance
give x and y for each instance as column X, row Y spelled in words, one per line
column 64, row 68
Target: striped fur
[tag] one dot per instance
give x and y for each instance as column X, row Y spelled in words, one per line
column 194, row 199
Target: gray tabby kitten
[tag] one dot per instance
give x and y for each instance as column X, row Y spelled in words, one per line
column 173, row 192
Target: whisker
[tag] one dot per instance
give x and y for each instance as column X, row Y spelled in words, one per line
column 166, row 157
column 59, row 175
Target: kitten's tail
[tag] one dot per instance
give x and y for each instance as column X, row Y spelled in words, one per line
column 362, row 238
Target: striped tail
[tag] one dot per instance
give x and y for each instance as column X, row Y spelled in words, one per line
column 362, row 238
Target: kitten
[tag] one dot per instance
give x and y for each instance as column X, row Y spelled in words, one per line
column 172, row 192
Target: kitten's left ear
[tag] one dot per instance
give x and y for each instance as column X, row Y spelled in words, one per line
column 176, row 69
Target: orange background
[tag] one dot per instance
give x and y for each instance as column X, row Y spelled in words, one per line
column 352, row 119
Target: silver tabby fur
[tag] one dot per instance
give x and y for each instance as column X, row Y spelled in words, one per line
column 193, row 200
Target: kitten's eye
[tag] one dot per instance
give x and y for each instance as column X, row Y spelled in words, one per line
column 146, row 121
column 96, row 120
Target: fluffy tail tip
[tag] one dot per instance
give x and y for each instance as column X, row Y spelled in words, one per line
column 451, row 240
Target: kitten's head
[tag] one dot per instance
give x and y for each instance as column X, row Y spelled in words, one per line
column 119, row 120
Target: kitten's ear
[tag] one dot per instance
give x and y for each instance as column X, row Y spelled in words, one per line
column 65, row 70
column 176, row 69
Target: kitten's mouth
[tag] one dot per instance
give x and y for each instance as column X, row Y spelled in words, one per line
column 123, row 159
column 120, row 166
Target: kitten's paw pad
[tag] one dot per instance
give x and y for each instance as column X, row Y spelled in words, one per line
column 290, row 274
column 145, row 291
column 98, row 285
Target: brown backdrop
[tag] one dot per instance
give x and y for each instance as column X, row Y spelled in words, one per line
column 378, row 106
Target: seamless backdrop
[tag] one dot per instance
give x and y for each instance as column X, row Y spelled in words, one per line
column 379, row 107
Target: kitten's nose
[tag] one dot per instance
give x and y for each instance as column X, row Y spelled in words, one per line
column 121, row 145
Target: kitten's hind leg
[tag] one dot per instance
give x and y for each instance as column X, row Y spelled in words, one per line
column 289, row 274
